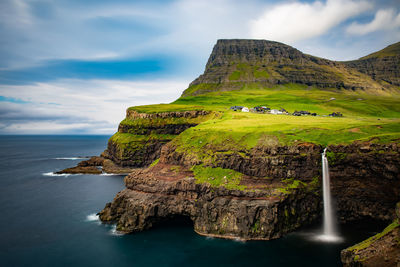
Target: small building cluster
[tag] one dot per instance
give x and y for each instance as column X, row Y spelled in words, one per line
column 281, row 111
column 303, row 112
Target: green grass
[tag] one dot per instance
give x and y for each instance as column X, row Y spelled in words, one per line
column 391, row 50
column 159, row 108
column 365, row 117
column 291, row 184
column 154, row 163
column 216, row 177
column 291, row 97
column 160, row 122
column 366, row 243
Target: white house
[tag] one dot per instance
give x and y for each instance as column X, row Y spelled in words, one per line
column 245, row 109
column 275, row 111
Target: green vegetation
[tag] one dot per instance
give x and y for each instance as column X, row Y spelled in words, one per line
column 291, row 184
column 235, row 76
column 154, row 163
column 334, row 158
column 366, row 243
column 391, row 50
column 366, row 117
column 138, row 124
column 216, row 177
column 127, row 144
column 125, row 139
column 159, row 108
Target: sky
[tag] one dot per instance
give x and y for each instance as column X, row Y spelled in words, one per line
column 75, row 66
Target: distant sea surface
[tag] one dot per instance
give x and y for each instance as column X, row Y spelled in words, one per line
column 48, row 220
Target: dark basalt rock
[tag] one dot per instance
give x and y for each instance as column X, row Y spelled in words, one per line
column 156, row 194
column 96, row 165
column 365, row 182
column 365, row 178
column 382, row 249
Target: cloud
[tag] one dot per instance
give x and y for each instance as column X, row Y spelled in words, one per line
column 385, row 19
column 295, row 21
column 78, row 106
column 71, row 30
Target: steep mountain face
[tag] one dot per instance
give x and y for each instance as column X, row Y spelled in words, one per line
column 234, row 63
column 383, row 65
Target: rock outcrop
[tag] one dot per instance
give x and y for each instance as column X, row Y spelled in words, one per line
column 162, row 192
column 365, row 177
column 140, row 136
column 139, row 140
column 382, row 249
column 96, row 165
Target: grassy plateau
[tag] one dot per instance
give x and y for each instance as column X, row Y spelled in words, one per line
column 366, row 117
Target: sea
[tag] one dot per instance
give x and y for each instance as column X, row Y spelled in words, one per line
column 50, row 220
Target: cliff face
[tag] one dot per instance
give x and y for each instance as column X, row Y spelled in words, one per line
column 234, row 63
column 365, row 177
column 140, row 136
column 365, row 181
column 164, row 191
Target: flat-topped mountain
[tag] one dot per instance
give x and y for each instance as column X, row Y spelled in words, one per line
column 235, row 63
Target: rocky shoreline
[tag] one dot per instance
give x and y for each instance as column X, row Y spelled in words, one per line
column 97, row 165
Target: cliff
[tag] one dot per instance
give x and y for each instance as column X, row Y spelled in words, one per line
column 140, row 136
column 165, row 191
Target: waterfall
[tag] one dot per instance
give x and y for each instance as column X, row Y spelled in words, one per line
column 329, row 229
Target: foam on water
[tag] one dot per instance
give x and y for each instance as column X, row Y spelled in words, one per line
column 92, row 217
column 115, row 232
column 56, row 174
column 328, row 238
column 317, row 236
column 72, row 158
column 112, row 174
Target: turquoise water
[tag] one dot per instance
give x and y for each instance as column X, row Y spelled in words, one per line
column 45, row 220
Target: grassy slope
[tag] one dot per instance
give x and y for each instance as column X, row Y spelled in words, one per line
column 366, row 116
column 391, row 50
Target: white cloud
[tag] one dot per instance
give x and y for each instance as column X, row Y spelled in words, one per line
column 294, row 21
column 188, row 28
column 385, row 19
column 88, row 106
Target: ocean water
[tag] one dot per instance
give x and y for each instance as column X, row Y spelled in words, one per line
column 48, row 220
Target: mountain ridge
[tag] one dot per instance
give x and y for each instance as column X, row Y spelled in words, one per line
column 236, row 62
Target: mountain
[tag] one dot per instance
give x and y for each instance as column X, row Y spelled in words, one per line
column 383, row 66
column 235, row 63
